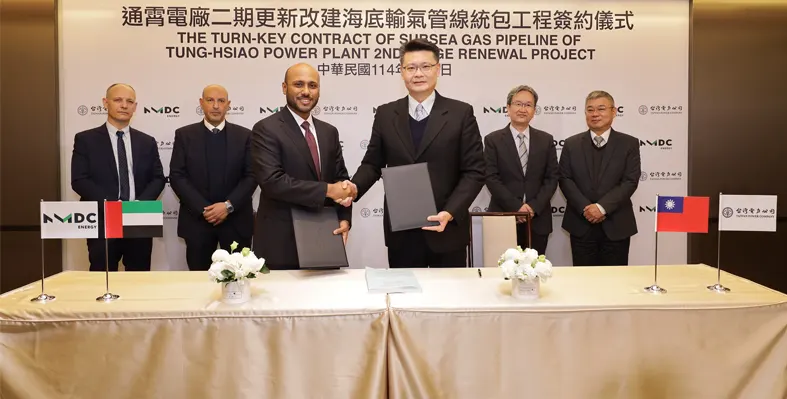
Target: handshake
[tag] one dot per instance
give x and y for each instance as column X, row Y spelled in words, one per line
column 342, row 192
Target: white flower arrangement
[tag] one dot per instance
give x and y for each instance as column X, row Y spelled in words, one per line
column 525, row 264
column 236, row 266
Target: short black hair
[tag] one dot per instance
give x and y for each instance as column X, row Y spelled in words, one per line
column 418, row 45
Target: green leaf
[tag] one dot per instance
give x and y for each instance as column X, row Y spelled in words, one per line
column 265, row 270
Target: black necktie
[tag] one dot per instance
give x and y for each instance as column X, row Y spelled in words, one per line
column 123, row 168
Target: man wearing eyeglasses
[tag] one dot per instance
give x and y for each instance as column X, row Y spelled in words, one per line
column 427, row 127
column 599, row 172
column 521, row 169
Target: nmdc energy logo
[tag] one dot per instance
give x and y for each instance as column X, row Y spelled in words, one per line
column 496, row 110
column 169, row 112
column 269, row 110
column 74, row 218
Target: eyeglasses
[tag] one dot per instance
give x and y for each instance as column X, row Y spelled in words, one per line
column 601, row 110
column 424, row 68
column 519, row 104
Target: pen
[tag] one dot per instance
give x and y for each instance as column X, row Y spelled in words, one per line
column 479, row 273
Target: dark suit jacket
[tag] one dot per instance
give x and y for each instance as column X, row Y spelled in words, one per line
column 507, row 183
column 94, row 174
column 188, row 176
column 453, row 150
column 620, row 173
column 285, row 172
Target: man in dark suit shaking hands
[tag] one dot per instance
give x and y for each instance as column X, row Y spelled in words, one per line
column 425, row 127
column 599, row 172
column 298, row 162
column 210, row 171
column 116, row 162
column 521, row 169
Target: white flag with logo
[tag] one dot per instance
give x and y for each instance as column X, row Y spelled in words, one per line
column 69, row 219
column 747, row 212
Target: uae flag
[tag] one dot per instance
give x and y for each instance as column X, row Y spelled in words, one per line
column 133, row 219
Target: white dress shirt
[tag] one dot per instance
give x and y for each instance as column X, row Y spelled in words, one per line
column 312, row 128
column 211, row 127
column 427, row 104
column 127, row 142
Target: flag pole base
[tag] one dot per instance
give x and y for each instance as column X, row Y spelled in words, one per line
column 655, row 289
column 43, row 298
column 718, row 288
column 108, row 297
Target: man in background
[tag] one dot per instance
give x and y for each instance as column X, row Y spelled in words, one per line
column 116, row 162
column 599, row 172
column 210, row 172
column 521, row 169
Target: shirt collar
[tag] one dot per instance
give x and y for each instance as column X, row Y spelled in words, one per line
column 427, row 104
column 605, row 135
column 299, row 121
column 516, row 132
column 113, row 130
column 211, row 127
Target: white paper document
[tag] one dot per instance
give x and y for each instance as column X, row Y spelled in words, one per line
column 391, row 281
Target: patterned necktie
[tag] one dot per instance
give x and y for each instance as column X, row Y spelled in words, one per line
column 599, row 141
column 312, row 147
column 420, row 112
column 123, row 168
column 522, row 152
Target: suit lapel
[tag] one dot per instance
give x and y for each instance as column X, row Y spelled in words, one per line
column 585, row 153
column 402, row 126
column 437, row 118
column 511, row 150
column 136, row 153
column 110, row 157
column 296, row 136
column 233, row 148
column 608, row 152
column 324, row 145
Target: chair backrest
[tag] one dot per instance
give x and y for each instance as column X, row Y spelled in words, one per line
column 498, row 234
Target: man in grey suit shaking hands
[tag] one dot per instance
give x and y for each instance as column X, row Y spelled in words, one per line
column 599, row 172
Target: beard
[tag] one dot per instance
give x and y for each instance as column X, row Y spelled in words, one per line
column 294, row 104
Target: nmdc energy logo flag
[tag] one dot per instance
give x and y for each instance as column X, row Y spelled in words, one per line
column 69, row 219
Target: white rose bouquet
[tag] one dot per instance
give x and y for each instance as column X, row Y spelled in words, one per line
column 236, row 266
column 525, row 264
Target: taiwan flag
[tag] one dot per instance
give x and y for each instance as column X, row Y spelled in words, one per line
column 682, row 214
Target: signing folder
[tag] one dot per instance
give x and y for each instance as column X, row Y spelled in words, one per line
column 409, row 196
column 318, row 247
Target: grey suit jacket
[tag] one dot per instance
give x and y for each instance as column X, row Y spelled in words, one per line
column 620, row 173
column 506, row 181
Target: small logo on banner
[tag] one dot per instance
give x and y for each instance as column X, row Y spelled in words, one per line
column 236, row 110
column 200, row 112
column 661, row 109
column 316, row 111
column 82, row 110
column 69, row 219
column 559, row 110
column 165, row 144
column 643, row 176
column 496, row 110
column 538, row 110
column 662, row 144
column 269, row 110
column 168, row 111
column 558, row 211
column 336, row 110
column 364, row 144
column 663, row 176
column 727, row 212
column 365, row 212
column 748, row 212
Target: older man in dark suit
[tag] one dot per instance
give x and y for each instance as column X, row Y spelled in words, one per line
column 117, row 162
column 210, row 171
column 599, row 172
column 521, row 169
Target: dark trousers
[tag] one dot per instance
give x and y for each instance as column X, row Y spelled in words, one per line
column 414, row 252
column 200, row 248
column 135, row 253
column 596, row 249
column 537, row 241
